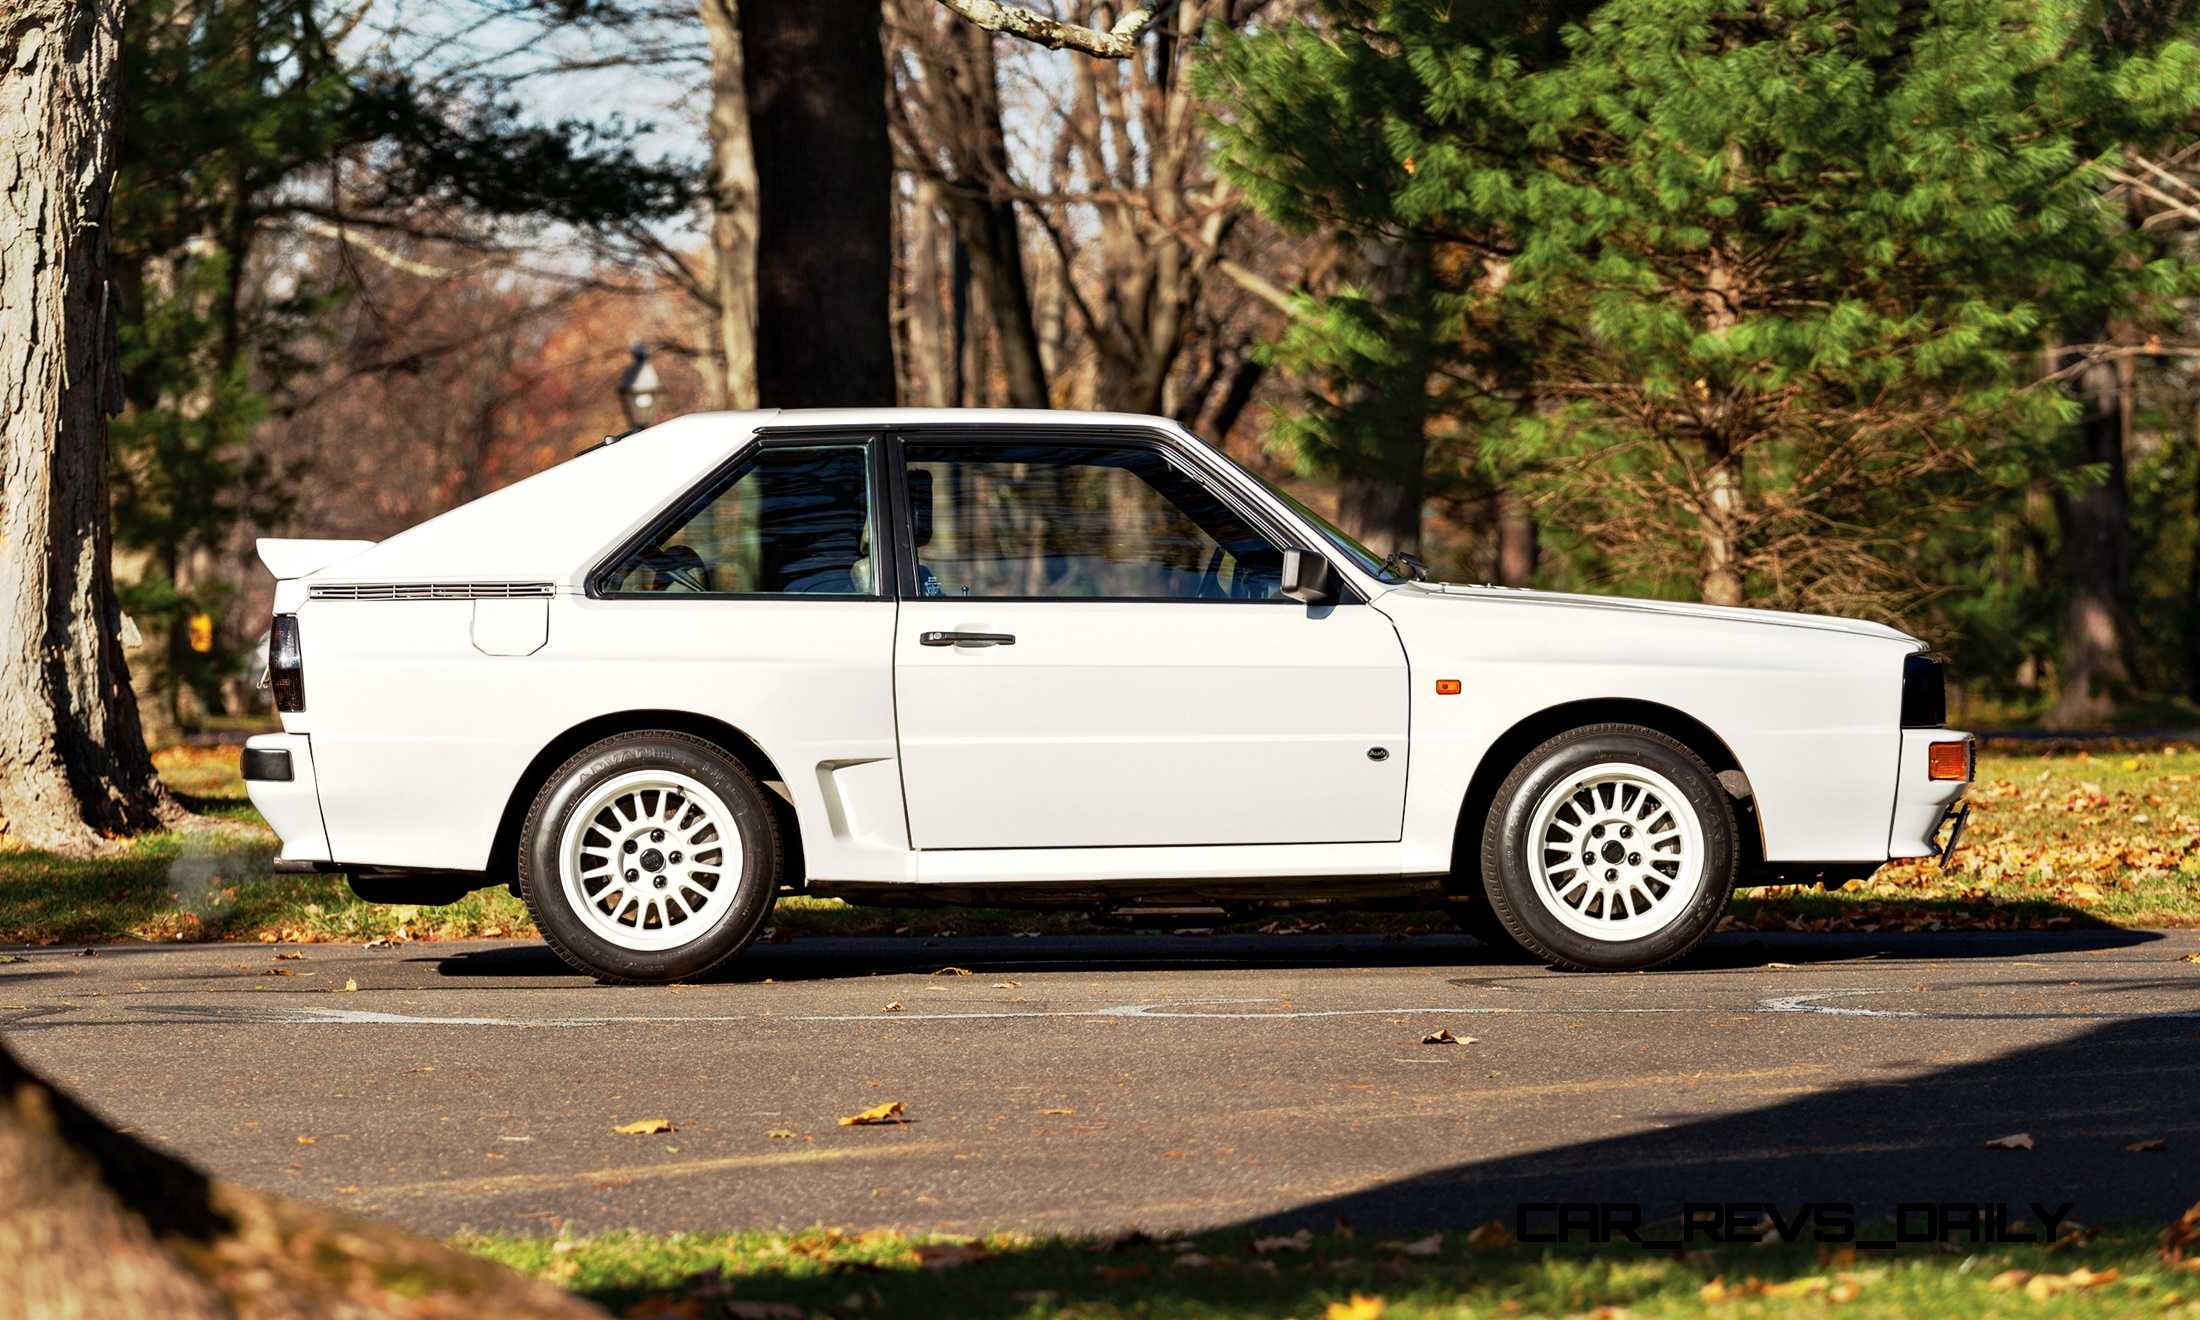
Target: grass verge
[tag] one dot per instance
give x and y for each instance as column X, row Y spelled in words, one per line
column 2060, row 836
column 1340, row 1276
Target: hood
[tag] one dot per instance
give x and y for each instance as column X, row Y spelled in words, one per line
column 1689, row 609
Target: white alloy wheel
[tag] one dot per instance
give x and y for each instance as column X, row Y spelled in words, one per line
column 1615, row 852
column 650, row 860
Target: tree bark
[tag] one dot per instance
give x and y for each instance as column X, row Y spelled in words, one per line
column 2096, row 557
column 94, row 1222
column 1384, row 511
column 733, row 217
column 815, row 76
column 73, row 764
column 1517, row 549
column 1719, row 515
column 985, row 220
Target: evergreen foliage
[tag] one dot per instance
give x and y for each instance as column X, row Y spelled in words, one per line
column 1748, row 295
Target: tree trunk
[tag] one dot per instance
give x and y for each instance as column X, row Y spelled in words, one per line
column 1382, row 512
column 73, row 764
column 1517, row 550
column 732, row 204
column 94, row 1222
column 2096, row 556
column 1720, row 522
column 929, row 331
column 816, row 81
column 986, row 224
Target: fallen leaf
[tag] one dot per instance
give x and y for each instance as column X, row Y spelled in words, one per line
column 1361, row 1307
column 2151, row 1143
column 2191, row 958
column 1493, row 1234
column 644, row 1127
column 288, row 957
column 1004, row 985
column 1428, row 1246
column 305, row 1141
column 1299, row 1241
column 87, row 952
column 1443, row 1036
column 384, row 943
column 2008, row 1280
column 893, row 1111
column 278, row 971
column 2183, row 1232
column 349, row 984
column 782, row 1134
column 893, row 1006
column 2014, row 1141
column 952, row 971
column 1056, row 1113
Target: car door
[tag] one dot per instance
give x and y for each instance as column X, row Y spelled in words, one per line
column 1093, row 651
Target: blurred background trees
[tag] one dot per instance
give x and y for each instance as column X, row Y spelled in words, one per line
column 1884, row 307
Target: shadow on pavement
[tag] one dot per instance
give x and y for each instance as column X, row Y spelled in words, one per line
column 830, row 958
column 1875, row 1145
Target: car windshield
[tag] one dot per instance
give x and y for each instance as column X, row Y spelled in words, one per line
column 1364, row 559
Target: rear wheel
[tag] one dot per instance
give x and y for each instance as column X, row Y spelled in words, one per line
column 649, row 857
column 1610, row 848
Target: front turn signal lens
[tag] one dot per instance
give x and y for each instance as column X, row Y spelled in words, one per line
column 1447, row 687
column 1949, row 760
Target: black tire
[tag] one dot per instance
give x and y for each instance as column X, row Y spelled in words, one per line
column 1506, row 848
column 728, row 931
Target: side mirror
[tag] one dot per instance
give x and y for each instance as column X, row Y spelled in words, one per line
column 1307, row 577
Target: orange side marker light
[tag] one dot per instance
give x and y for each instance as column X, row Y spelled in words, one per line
column 1949, row 760
column 1447, row 687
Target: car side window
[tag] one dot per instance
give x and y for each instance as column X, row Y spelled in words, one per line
column 1098, row 521
column 793, row 520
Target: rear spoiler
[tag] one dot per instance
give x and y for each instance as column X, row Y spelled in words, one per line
column 297, row 558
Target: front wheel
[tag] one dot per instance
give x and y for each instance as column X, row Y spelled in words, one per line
column 649, row 857
column 1610, row 848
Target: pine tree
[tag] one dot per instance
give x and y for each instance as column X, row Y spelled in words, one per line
column 1747, row 293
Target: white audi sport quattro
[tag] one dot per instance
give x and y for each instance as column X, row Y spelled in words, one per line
column 1041, row 659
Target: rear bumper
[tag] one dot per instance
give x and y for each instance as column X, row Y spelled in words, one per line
column 1922, row 804
column 291, row 805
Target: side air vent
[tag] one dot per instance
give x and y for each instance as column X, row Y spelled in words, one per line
column 428, row 590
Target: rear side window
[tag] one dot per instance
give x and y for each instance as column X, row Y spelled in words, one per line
column 792, row 521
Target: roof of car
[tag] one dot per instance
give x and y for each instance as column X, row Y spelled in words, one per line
column 933, row 417
column 553, row 524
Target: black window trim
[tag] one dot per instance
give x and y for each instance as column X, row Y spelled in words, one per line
column 1170, row 447
column 884, row 537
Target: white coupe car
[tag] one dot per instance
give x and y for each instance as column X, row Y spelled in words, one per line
column 1045, row 659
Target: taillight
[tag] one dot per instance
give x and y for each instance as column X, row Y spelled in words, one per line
column 286, row 664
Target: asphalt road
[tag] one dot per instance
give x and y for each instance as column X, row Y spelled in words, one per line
column 1144, row 1080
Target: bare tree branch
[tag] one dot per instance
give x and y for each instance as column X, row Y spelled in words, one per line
column 1117, row 43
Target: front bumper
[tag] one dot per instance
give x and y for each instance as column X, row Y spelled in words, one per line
column 291, row 805
column 1923, row 804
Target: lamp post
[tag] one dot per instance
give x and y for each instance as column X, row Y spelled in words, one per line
column 638, row 389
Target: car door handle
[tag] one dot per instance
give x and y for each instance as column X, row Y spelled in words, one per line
column 967, row 639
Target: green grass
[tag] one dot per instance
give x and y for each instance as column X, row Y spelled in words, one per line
column 824, row 1271
column 2060, row 835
